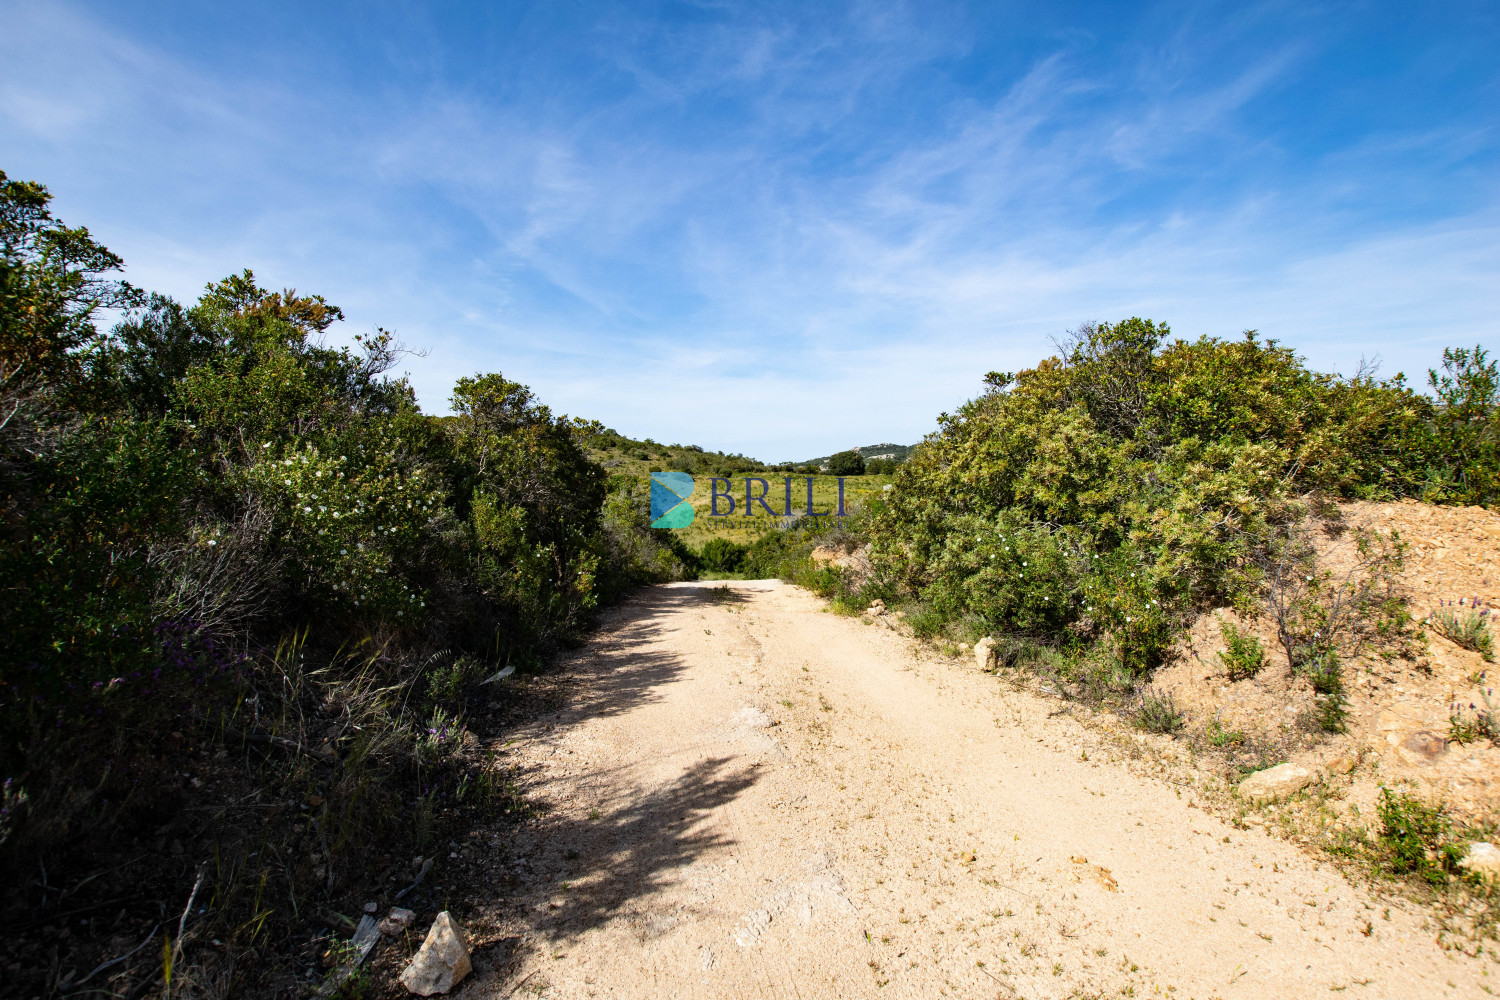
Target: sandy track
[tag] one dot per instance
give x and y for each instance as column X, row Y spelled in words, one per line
column 757, row 798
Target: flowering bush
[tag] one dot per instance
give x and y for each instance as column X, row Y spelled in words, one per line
column 352, row 521
column 1020, row 578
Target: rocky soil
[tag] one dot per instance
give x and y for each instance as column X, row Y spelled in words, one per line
column 1400, row 708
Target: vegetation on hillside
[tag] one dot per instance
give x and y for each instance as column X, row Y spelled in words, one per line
column 621, row 455
column 249, row 590
column 889, row 456
column 1093, row 504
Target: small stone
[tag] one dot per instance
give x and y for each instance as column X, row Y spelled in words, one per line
column 397, row 921
column 441, row 963
column 1482, row 859
column 1340, row 765
column 984, row 654
column 371, row 907
column 1275, row 782
column 315, row 800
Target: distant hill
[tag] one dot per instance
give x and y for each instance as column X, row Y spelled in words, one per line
column 621, row 454
column 869, row 451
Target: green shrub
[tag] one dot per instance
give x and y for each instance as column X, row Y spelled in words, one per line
column 631, row 552
column 1315, row 613
column 1218, row 736
column 926, row 622
column 721, row 555
column 824, row 581
column 450, row 678
column 1415, row 838
column 1462, row 442
column 1327, row 676
column 1243, row 655
column 846, row 463
column 846, row 605
column 1483, row 725
column 1021, row 579
column 1468, row 630
column 1155, row 478
column 1157, row 712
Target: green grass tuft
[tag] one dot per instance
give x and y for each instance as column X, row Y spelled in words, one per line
column 1158, row 712
column 1469, row 630
column 1243, row 655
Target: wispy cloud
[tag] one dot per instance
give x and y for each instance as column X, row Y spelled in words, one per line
column 821, row 226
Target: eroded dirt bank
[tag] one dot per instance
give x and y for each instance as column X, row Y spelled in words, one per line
column 753, row 797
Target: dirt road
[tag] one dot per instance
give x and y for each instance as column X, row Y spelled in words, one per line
column 754, row 797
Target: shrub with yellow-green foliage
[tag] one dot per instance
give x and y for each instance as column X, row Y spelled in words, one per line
column 1116, row 489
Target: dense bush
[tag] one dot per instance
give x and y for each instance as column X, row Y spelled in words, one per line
column 720, row 555
column 1103, row 497
column 846, row 463
column 219, row 530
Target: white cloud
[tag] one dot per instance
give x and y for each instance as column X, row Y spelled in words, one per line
column 744, row 227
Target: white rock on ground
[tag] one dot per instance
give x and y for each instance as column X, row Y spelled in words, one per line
column 984, row 653
column 1275, row 783
column 396, row 921
column 1483, row 859
column 442, row 962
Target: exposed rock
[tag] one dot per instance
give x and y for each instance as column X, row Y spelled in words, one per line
column 1395, row 722
column 1483, row 859
column 856, row 563
column 442, row 962
column 1421, row 747
column 984, row 653
column 396, row 921
column 1275, row 783
column 1340, row 765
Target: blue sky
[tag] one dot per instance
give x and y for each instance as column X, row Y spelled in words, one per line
column 784, row 228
